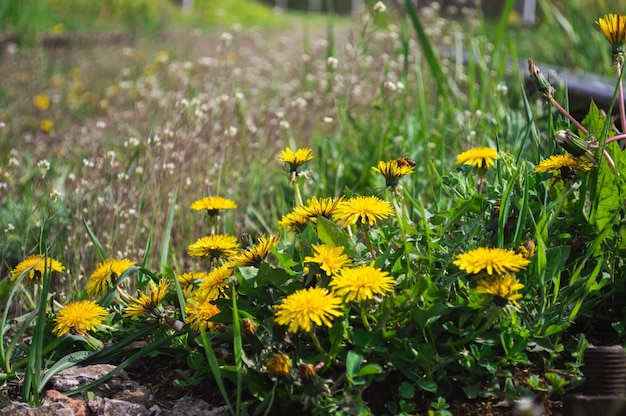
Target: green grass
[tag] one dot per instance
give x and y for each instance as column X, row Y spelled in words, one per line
column 143, row 128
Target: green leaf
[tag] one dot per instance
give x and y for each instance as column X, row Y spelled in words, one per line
column 427, row 385
column 331, row 234
column 369, row 369
column 406, row 390
column 353, row 362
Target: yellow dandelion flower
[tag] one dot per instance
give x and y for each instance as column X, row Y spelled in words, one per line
column 37, row 265
column 199, row 314
column 46, row 125
column 78, row 318
column 323, row 207
column 564, row 165
column 393, row 170
column 293, row 221
column 106, row 274
column 614, row 28
column 491, row 261
column 279, row 365
column 481, row 158
column 331, row 259
column 305, row 307
column 502, row 287
column 149, row 304
column 41, row 101
column 362, row 209
column 188, row 281
column 217, row 246
column 295, row 159
column 215, row 282
column 255, row 255
column 362, row 283
column 213, row 204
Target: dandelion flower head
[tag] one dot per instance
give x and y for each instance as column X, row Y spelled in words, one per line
column 216, row 246
column 149, row 304
column 614, row 28
column 215, row 283
column 255, row 255
column 106, row 274
column 479, row 157
column 279, row 365
column 362, row 209
column 502, row 287
column 331, row 259
column 393, row 170
column 293, row 221
column 199, row 314
column 322, row 207
column 78, row 318
column 306, row 307
column 38, row 265
column 490, row 261
column 213, row 204
column 362, row 283
column 295, row 159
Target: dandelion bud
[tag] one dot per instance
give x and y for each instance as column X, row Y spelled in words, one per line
column 527, row 248
column 279, row 365
column 542, row 83
column 574, row 145
column 249, row 327
column 306, row 372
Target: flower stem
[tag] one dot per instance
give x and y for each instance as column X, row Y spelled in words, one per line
column 318, row 346
column 580, row 127
column 620, row 92
column 493, row 315
column 366, row 323
column 296, row 187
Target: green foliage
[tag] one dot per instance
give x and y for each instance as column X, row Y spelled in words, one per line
column 441, row 334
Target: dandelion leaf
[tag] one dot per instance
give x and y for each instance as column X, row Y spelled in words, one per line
column 332, row 234
column 610, row 209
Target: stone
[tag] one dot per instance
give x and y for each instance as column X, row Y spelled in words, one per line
column 111, row 407
column 79, row 408
column 75, row 377
column 190, row 406
column 23, row 409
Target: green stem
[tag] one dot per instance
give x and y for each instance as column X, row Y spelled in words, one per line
column 368, row 242
column 475, row 334
column 296, row 187
column 366, row 323
column 318, row 346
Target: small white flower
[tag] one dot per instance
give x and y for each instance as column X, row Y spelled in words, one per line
column 101, row 124
column 10, row 227
column 14, row 162
column 284, row 124
column 380, row 7
column 390, row 86
column 44, row 167
column 232, row 131
column 55, row 194
column 332, row 62
column 328, row 120
column 226, row 38
column 502, row 89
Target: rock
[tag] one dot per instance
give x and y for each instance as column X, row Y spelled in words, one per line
column 75, row 377
column 189, row 406
column 23, row 409
column 112, row 407
column 119, row 387
column 79, row 408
